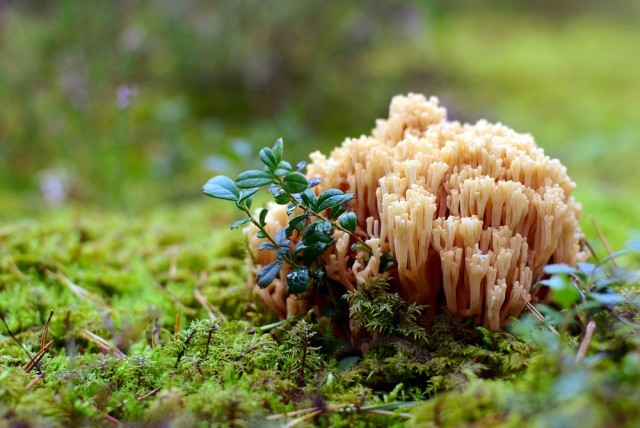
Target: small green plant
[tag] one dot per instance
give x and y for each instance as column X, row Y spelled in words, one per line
column 379, row 310
column 318, row 216
column 584, row 292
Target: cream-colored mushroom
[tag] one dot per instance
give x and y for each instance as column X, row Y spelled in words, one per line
column 472, row 213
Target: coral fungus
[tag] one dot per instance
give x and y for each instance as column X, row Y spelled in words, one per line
column 471, row 213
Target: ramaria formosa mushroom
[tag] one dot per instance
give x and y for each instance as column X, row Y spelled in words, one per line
column 471, row 213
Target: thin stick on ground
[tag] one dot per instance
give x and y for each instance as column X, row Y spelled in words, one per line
column 586, row 341
column 211, row 309
column 34, row 381
column 291, row 414
column 304, row 418
column 35, row 360
column 104, row 344
column 149, row 394
column 79, row 291
column 4, row 321
column 603, row 240
column 591, row 250
column 538, row 315
column 45, row 331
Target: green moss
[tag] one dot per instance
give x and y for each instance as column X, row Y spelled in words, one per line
column 126, row 281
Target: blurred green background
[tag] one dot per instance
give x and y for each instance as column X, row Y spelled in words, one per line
column 129, row 105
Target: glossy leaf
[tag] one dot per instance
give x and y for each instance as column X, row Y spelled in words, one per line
column 298, row 279
column 313, row 182
column 278, row 150
column 312, row 252
column 564, row 292
column 607, row 299
column 337, row 211
column 296, row 223
column 291, row 208
column 268, row 158
column 281, row 237
column 284, row 168
column 333, row 197
column 349, row 221
column 253, row 178
column 237, row 224
column 309, row 198
column 559, row 268
column 282, row 199
column 263, row 216
column 247, row 193
column 295, row 182
column 266, row 246
column 221, row 187
column 268, row 273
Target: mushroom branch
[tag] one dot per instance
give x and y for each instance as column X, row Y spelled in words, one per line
column 471, row 212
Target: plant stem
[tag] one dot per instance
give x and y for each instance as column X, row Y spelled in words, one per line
column 288, row 259
column 259, row 226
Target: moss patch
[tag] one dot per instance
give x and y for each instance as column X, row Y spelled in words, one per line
column 153, row 323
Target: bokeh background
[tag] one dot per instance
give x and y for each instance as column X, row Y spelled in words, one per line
column 129, row 105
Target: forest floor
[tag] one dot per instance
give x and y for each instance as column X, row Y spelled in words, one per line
column 112, row 320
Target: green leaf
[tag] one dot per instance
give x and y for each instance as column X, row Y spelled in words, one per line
column 282, row 199
column 588, row 268
column 614, row 256
column 603, row 284
column 309, row 198
column 268, row 273
column 324, row 228
column 278, row 150
column 328, row 198
column 221, row 187
column 298, row 247
column 333, row 197
column 247, row 193
column 312, row 252
column 253, row 178
column 337, row 211
column 281, row 237
column 313, row 182
column 607, row 299
column 295, row 182
column 263, row 216
column 268, row 157
column 298, row 279
column 281, row 253
column 266, row 246
column 284, row 168
column 349, row 221
column 318, row 232
column 237, row 224
column 296, row 223
column 558, row 268
column 564, row 292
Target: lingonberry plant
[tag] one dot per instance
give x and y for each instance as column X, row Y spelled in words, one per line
column 309, row 232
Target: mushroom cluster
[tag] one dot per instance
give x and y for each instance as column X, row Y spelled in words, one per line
column 471, row 213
